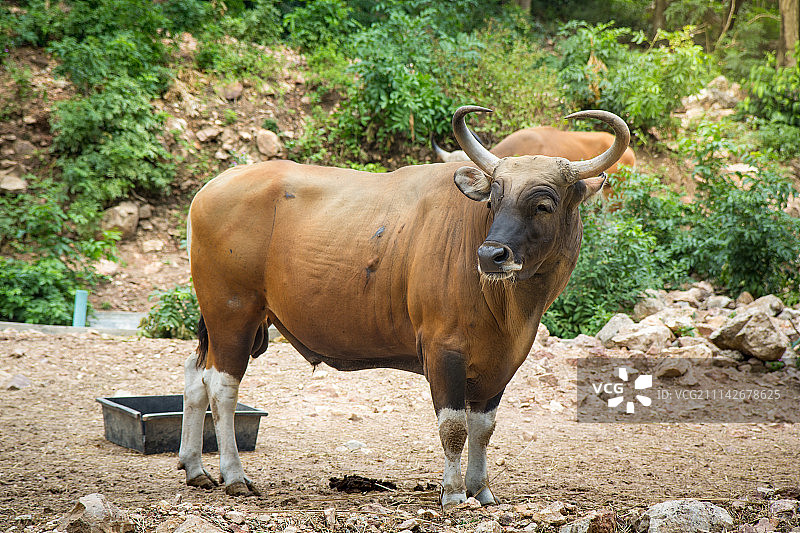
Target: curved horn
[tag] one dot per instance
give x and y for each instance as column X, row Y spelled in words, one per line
column 622, row 136
column 474, row 150
column 440, row 153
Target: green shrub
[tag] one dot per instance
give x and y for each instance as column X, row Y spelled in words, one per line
column 233, row 59
column 741, row 236
column 39, row 291
column 490, row 74
column 598, row 71
column 320, row 23
column 616, row 263
column 175, row 314
column 187, row 15
column 93, row 61
column 108, row 144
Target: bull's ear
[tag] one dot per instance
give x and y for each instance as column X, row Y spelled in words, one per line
column 593, row 185
column 474, row 183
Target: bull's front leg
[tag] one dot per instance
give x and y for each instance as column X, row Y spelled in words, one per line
column 480, row 426
column 447, row 376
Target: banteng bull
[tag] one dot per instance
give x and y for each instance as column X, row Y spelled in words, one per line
column 404, row 270
column 572, row 145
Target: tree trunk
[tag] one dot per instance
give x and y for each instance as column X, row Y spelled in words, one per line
column 658, row 15
column 730, row 19
column 790, row 31
column 524, row 4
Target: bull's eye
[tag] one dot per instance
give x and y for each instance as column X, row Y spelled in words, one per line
column 543, row 207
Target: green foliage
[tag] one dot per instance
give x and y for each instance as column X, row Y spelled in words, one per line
column 741, row 236
column 175, row 314
column 40, row 22
column 598, row 71
column 320, row 24
column 94, row 61
column 259, row 22
column 109, row 146
column 187, row 15
column 40, row 291
column 616, row 263
column 507, row 73
column 774, row 100
column 775, row 92
column 233, row 59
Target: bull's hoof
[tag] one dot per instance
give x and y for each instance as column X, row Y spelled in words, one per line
column 242, row 488
column 451, row 500
column 204, row 481
column 486, row 497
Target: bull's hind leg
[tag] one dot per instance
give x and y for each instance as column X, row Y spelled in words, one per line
column 195, row 402
column 480, row 426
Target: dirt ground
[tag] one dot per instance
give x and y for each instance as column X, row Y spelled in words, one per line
column 53, row 450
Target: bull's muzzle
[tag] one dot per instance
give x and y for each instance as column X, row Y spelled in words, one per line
column 496, row 258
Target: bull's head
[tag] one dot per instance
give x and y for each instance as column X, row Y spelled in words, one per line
column 534, row 199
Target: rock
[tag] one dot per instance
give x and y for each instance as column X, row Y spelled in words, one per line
column 553, row 514
column 718, row 301
column 542, row 334
column 11, row 184
column 231, row 91
column 123, row 217
column 684, row 516
column 671, row 368
column 594, row 522
column 769, row 304
column 23, row 148
column 612, row 327
column 104, row 267
column 754, row 333
column 353, row 445
column 208, row 133
column 190, row 524
column 647, row 307
column 694, row 351
column 235, row 516
column 469, row 503
column 94, row 514
column 222, row 155
column 153, row 245
column 411, row 523
column 679, row 320
column 528, row 436
column 642, row 338
column 145, row 211
column 17, row 382
column 428, row 514
column 268, row 143
column 488, row 526
column 744, row 298
column 783, row 508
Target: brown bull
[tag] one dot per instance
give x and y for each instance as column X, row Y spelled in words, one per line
column 404, row 270
column 572, row 145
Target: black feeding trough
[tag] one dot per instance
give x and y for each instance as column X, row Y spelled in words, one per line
column 152, row 424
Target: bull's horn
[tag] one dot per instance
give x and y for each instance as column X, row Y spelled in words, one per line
column 596, row 165
column 474, row 150
column 440, row 153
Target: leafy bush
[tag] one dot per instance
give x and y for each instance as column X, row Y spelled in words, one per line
column 231, row 58
column 598, row 71
column 741, row 236
column 397, row 94
column 92, row 62
column 616, row 263
column 320, row 24
column 175, row 314
column 109, row 144
column 490, row 73
column 40, row 291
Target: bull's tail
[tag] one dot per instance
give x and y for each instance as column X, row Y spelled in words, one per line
column 260, row 343
column 202, row 345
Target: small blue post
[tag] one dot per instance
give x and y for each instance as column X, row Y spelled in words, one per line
column 79, row 315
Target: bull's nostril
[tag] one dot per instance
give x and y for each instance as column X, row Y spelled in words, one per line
column 494, row 257
column 501, row 256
